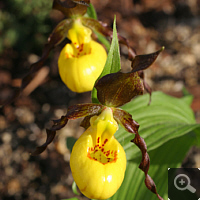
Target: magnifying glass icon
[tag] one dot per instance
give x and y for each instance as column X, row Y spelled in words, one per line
column 186, row 184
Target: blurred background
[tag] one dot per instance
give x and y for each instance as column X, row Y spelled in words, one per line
column 24, row 28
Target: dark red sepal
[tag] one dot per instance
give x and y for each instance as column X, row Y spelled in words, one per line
column 141, row 62
column 71, row 7
column 119, row 88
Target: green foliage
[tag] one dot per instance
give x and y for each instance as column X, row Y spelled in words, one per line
column 103, row 40
column 91, row 12
column 24, row 24
column 74, row 188
column 70, row 143
column 166, row 118
column 113, row 60
column 169, row 155
column 169, row 129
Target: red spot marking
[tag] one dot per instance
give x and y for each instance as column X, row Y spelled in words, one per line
column 108, row 153
column 102, row 149
column 92, row 149
column 98, row 139
column 95, row 151
column 81, row 48
column 106, row 140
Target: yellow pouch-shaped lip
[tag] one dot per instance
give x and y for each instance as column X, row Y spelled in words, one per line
column 98, row 161
column 81, row 62
column 80, row 70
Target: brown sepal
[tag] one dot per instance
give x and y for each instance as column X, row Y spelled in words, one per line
column 59, row 123
column 119, row 88
column 71, row 7
column 145, row 163
column 141, row 62
column 83, row 110
column 125, row 120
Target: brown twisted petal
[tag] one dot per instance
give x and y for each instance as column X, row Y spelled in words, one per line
column 125, row 120
column 73, row 112
column 50, row 137
column 144, row 165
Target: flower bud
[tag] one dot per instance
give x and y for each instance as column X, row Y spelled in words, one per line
column 98, row 161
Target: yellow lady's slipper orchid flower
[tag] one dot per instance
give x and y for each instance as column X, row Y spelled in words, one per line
column 81, row 62
column 98, row 161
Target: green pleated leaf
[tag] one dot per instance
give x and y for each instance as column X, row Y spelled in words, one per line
column 164, row 119
column 169, row 155
column 113, row 60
